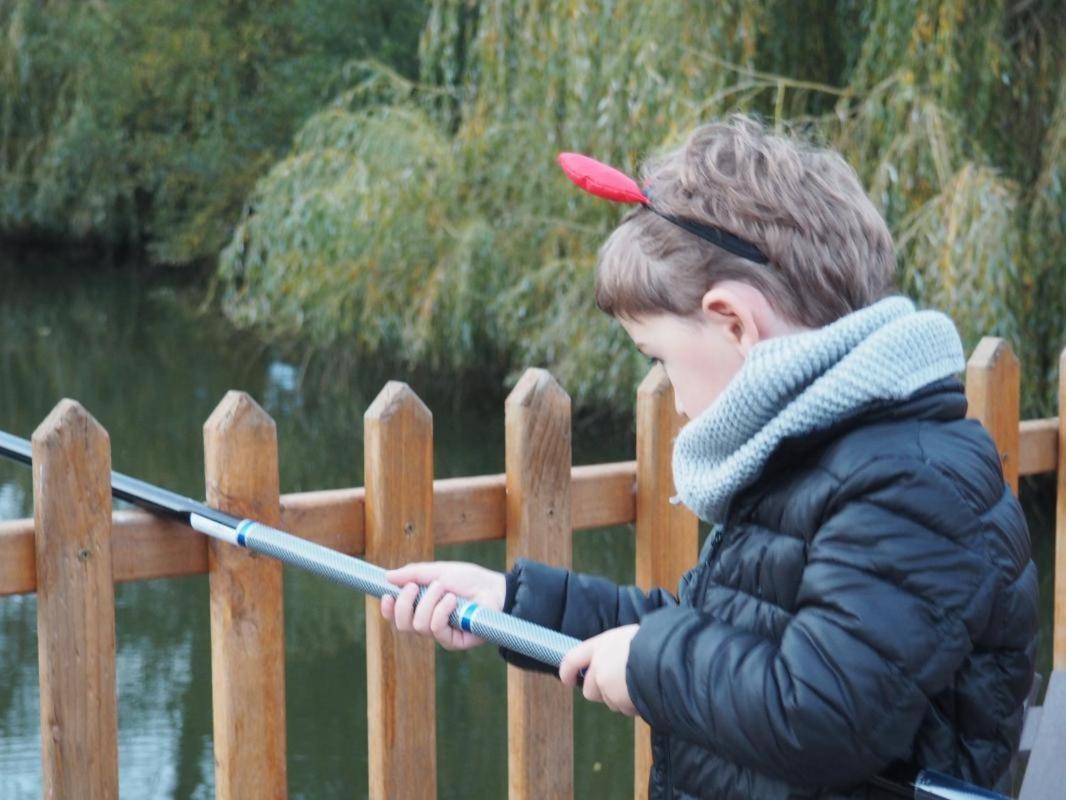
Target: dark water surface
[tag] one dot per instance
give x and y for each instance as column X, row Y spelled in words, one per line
column 151, row 370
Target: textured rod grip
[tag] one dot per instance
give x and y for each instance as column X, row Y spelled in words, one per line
column 512, row 633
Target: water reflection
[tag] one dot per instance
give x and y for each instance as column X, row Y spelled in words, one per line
column 151, row 371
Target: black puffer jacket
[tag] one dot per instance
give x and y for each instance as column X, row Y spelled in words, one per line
column 868, row 604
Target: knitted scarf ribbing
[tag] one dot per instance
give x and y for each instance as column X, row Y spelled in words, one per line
column 791, row 385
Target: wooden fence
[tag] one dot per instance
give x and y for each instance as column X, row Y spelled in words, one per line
column 75, row 548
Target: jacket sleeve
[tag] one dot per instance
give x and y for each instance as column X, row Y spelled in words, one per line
column 890, row 599
column 573, row 603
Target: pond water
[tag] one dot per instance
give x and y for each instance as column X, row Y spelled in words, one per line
column 151, row 368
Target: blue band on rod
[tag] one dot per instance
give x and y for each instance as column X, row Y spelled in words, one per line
column 468, row 616
column 242, row 529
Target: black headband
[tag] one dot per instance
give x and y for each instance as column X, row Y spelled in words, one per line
column 605, row 181
column 716, row 236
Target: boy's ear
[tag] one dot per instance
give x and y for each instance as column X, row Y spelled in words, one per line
column 733, row 313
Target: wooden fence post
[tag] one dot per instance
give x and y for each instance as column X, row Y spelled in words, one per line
column 667, row 535
column 75, row 604
column 993, row 388
column 538, row 462
column 247, row 626
column 1059, row 632
column 400, row 669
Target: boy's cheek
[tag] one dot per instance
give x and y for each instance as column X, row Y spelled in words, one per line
column 693, row 392
column 697, row 387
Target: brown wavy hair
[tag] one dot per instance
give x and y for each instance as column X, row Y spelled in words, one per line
column 830, row 250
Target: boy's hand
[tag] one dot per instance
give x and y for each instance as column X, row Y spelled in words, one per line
column 604, row 660
column 444, row 580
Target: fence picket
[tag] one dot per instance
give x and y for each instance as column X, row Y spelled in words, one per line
column 247, row 626
column 400, row 669
column 993, row 386
column 666, row 534
column 75, row 605
column 539, row 708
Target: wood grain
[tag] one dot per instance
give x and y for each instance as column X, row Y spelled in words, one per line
column 993, row 389
column 401, row 684
column 667, row 535
column 539, row 706
column 468, row 509
column 75, row 605
column 1038, row 443
column 247, row 624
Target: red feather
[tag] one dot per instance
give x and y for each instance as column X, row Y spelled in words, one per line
column 599, row 179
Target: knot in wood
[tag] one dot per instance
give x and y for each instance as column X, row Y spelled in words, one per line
column 84, row 554
column 409, row 528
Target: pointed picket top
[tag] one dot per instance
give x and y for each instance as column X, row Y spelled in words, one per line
column 238, row 411
column 655, row 383
column 536, row 385
column 395, row 397
column 241, row 458
column 989, row 351
column 70, row 425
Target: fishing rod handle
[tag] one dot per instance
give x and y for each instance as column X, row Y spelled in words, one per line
column 528, row 638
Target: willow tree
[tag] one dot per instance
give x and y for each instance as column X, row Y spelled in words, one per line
column 147, row 122
column 429, row 219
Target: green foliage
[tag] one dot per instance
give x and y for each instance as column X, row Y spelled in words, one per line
column 424, row 216
column 149, row 121
column 1042, row 292
column 466, row 244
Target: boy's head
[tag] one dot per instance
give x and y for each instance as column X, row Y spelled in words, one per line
column 700, row 308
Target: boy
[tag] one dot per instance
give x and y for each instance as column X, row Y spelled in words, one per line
column 865, row 603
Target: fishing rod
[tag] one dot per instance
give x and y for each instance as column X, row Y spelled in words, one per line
column 527, row 638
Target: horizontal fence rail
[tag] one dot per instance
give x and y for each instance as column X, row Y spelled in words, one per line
column 468, row 509
column 145, row 546
column 402, row 514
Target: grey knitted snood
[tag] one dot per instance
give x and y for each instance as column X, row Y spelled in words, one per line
column 795, row 384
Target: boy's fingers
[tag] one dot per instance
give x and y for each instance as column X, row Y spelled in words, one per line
column 420, row 572
column 424, row 609
column 438, row 623
column 404, row 610
column 416, row 572
column 575, row 661
column 591, row 688
column 387, row 603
